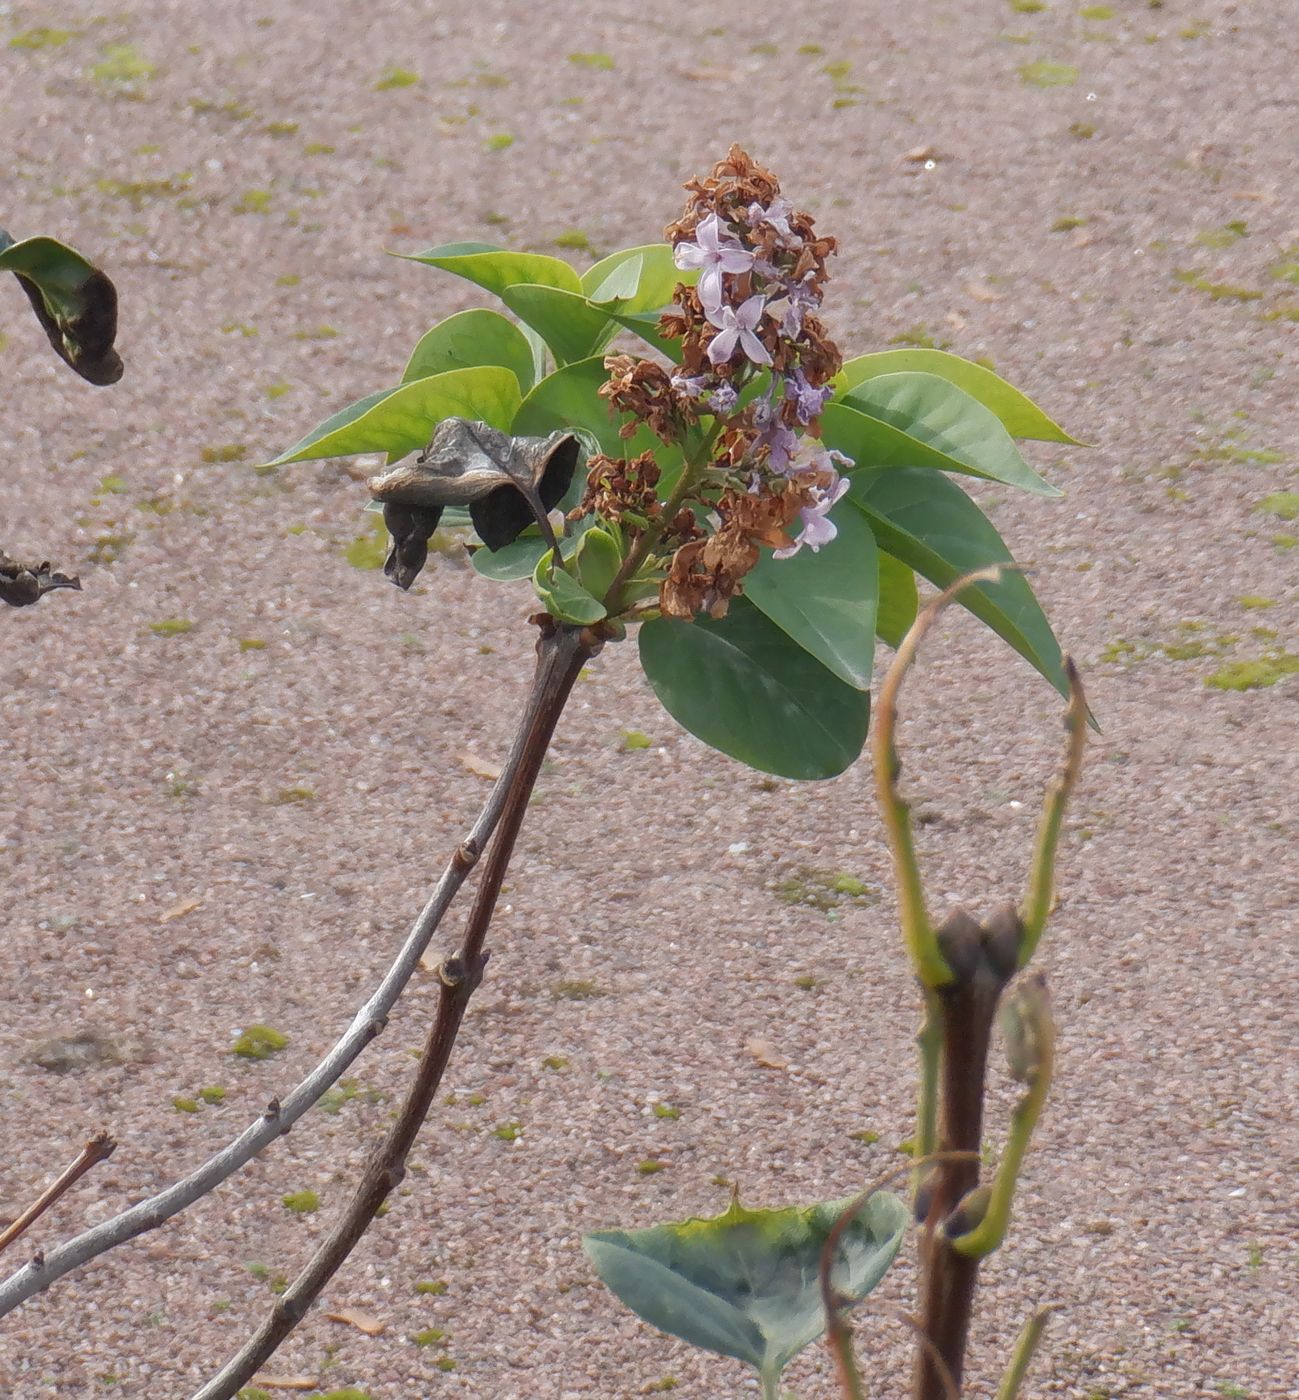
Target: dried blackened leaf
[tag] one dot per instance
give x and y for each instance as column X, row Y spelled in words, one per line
column 507, row 483
column 74, row 301
column 24, row 584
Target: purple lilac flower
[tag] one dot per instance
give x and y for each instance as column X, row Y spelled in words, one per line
column 799, row 299
column 817, row 529
column 737, row 325
column 715, row 251
column 723, row 399
column 808, row 398
column 776, row 215
column 692, row 386
column 781, row 441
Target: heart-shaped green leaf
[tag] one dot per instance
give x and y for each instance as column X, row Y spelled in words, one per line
column 919, row 420
column 826, row 601
column 930, row 524
column 1019, row 415
column 656, row 276
column 401, row 420
column 498, row 268
column 566, row 321
column 570, row 399
column 74, row 301
column 472, row 338
column 745, row 687
column 746, row 1283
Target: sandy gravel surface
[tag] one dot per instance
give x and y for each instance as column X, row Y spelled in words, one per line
column 158, row 887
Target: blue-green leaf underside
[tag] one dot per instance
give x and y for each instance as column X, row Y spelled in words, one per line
column 746, row 688
column 746, row 1283
column 826, row 601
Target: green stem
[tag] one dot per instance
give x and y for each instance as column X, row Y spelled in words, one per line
column 1024, row 1351
column 770, row 1385
column 692, row 468
column 1041, row 881
column 930, row 1043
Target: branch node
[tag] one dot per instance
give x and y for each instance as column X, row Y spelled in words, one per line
column 272, row 1110
column 466, row 854
column 452, row 972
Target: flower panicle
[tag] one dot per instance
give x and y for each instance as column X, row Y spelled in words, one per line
column 751, row 319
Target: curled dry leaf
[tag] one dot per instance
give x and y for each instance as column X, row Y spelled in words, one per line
column 479, row 767
column 507, row 483
column 178, row 911
column 24, row 584
column 363, row 1321
column 766, row 1054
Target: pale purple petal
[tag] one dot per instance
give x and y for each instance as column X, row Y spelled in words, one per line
column 754, row 348
column 722, row 345
column 710, row 290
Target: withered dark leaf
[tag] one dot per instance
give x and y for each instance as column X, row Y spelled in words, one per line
column 507, row 483
column 24, row 584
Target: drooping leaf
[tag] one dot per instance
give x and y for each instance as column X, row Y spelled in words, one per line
column 74, row 301
column 563, row 597
column 498, row 268
column 472, row 338
column 746, row 1283
column 566, row 321
column 656, row 278
column 919, row 420
column 1019, row 415
column 570, row 398
column 930, row 524
column 743, row 686
column 401, row 420
column 826, row 601
column 899, row 601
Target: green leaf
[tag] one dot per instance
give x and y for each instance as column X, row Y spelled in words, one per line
column 899, row 601
column 498, row 268
column 472, row 338
column 401, row 420
column 655, row 278
column 563, row 596
column 570, row 398
column 1019, row 415
column 920, row 420
column 597, row 561
column 646, row 325
column 746, row 1283
column 520, row 558
column 566, row 321
column 74, row 301
column 826, row 601
column 743, row 686
column 930, row 524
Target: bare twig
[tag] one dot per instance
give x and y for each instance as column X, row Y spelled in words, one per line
column 97, row 1149
column 282, row 1113
column 562, row 656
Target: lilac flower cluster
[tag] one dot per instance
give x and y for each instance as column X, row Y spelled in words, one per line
column 758, row 293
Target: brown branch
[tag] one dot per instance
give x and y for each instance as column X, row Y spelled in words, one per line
column 561, row 655
column 98, row 1148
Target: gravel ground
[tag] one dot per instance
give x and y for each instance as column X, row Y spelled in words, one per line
column 159, row 888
